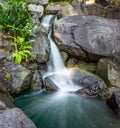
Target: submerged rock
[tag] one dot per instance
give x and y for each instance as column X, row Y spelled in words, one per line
column 88, row 37
column 15, row 118
column 91, row 84
column 114, row 102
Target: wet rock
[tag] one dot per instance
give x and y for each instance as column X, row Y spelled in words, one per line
column 91, row 84
column 114, row 102
column 40, row 48
column 109, row 71
column 93, row 36
column 50, row 84
column 19, row 77
column 14, row 118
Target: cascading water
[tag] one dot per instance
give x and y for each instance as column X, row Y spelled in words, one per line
column 57, row 70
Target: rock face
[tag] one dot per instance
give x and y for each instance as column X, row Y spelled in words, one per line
column 114, row 102
column 15, row 118
column 40, row 48
column 5, row 47
column 109, row 71
column 91, row 84
column 20, row 78
column 37, row 12
column 94, row 35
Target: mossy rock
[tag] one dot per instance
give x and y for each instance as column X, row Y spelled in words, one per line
column 109, row 71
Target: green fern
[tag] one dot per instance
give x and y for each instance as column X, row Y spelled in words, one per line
column 22, row 49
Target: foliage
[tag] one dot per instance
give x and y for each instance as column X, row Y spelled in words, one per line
column 16, row 18
column 22, row 49
column 8, row 75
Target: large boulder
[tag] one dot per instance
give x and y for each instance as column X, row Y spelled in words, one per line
column 19, row 76
column 11, row 117
column 14, row 118
column 92, row 85
column 92, row 35
column 109, row 71
column 40, row 48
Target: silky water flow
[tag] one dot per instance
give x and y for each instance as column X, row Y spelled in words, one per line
column 63, row 109
column 57, row 71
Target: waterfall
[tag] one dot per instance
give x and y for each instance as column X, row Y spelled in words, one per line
column 56, row 68
column 56, row 60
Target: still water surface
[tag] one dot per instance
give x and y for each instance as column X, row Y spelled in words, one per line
column 66, row 110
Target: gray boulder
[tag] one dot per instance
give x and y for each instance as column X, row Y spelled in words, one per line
column 14, row 118
column 40, row 48
column 37, row 12
column 19, row 76
column 50, row 84
column 92, row 35
column 91, row 84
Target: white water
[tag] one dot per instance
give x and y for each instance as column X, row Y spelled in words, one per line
column 60, row 74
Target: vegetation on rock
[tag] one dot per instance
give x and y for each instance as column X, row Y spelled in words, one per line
column 15, row 18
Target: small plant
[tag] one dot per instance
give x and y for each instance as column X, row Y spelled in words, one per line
column 22, row 49
column 8, row 75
